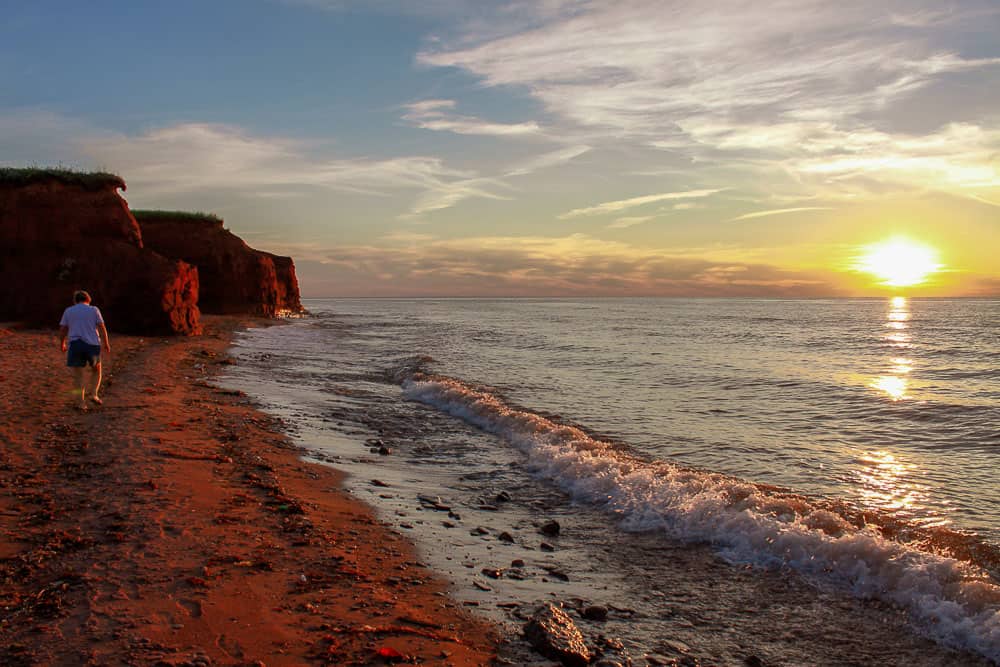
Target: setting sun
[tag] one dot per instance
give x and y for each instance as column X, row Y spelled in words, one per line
column 899, row 262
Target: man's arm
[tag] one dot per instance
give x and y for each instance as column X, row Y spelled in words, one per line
column 104, row 336
column 63, row 332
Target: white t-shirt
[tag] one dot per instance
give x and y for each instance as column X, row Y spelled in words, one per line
column 82, row 320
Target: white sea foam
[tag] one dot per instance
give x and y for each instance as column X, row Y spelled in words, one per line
column 951, row 600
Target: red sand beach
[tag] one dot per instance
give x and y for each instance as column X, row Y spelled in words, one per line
column 176, row 526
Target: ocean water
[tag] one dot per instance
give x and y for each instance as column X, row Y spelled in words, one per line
column 850, row 444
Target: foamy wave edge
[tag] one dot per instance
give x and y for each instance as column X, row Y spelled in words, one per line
column 951, row 601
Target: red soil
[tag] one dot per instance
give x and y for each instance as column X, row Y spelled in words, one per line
column 176, row 526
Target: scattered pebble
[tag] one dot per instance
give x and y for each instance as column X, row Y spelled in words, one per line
column 550, row 528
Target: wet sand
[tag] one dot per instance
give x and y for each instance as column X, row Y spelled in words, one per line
column 175, row 525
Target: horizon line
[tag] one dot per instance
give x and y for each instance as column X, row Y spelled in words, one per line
column 653, row 296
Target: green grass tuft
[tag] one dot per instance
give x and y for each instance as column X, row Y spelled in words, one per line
column 143, row 215
column 88, row 180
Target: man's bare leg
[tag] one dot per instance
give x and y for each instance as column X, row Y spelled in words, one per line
column 96, row 383
column 78, row 387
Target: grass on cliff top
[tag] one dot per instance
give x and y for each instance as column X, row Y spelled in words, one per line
column 89, row 180
column 145, row 215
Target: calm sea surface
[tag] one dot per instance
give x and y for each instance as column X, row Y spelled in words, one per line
column 852, row 440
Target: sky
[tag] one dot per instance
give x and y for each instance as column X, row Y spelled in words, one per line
column 547, row 148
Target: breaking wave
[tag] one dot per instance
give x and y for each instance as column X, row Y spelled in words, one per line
column 953, row 599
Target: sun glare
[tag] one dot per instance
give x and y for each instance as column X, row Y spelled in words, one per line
column 899, row 262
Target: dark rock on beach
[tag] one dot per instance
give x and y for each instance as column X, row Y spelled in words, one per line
column 611, row 652
column 550, row 528
column 553, row 634
column 595, row 613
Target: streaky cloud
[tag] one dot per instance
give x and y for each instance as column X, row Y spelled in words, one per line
column 626, row 222
column 778, row 211
column 623, row 204
column 547, row 160
column 435, row 115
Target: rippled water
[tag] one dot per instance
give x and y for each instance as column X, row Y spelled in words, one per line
column 893, row 405
column 848, row 439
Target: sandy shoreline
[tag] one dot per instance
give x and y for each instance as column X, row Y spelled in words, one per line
column 177, row 526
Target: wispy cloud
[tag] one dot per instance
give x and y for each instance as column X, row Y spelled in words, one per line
column 986, row 201
column 447, row 194
column 436, row 115
column 192, row 157
column 623, row 204
column 778, row 211
column 670, row 58
column 626, row 222
column 538, row 265
column 547, row 160
column 956, row 158
column 812, row 79
column 169, row 162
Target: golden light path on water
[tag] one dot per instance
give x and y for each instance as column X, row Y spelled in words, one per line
column 895, row 382
column 885, row 481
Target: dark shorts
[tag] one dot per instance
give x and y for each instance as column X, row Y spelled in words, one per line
column 80, row 354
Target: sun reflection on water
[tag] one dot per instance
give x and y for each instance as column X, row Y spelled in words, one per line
column 894, row 384
column 882, row 481
column 901, row 365
column 892, row 485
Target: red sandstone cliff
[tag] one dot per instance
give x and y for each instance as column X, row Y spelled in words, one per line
column 288, row 283
column 235, row 278
column 60, row 232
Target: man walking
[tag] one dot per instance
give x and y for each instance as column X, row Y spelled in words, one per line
column 83, row 326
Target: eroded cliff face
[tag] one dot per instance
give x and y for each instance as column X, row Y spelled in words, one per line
column 56, row 238
column 288, row 283
column 235, row 278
